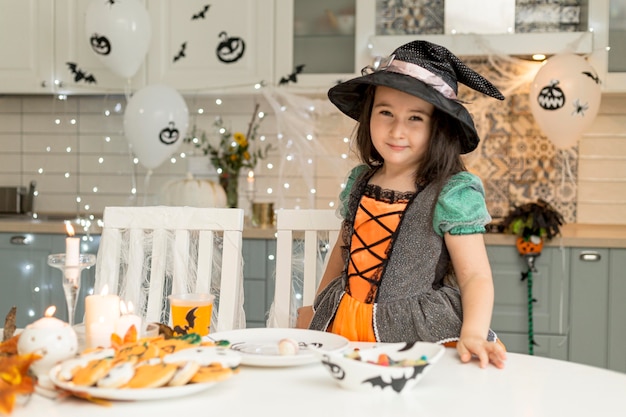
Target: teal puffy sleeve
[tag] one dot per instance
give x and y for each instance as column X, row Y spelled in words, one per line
column 461, row 207
column 344, row 196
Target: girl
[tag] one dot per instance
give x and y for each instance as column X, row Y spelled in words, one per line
column 410, row 263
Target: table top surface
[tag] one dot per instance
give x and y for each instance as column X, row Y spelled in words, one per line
column 529, row 385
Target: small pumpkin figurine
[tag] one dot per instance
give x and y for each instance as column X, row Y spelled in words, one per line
column 193, row 192
column 532, row 222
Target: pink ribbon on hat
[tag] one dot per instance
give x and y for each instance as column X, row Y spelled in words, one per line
column 423, row 75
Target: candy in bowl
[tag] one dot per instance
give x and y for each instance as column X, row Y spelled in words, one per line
column 397, row 367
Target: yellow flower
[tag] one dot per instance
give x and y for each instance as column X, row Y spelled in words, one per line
column 240, row 139
column 233, row 157
column 246, row 155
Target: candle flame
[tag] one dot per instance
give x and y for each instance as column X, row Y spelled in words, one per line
column 131, row 309
column 70, row 229
column 123, row 308
column 50, row 311
column 251, row 175
column 105, row 290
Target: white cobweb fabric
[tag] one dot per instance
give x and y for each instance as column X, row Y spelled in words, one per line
column 133, row 283
column 297, row 275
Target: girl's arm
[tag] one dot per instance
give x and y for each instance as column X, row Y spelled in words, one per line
column 473, row 273
column 332, row 271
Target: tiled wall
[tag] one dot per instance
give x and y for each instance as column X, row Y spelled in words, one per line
column 76, row 152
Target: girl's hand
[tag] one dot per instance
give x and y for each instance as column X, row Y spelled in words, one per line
column 485, row 351
column 305, row 315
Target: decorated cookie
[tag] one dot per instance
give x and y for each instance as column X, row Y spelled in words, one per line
column 212, row 373
column 152, row 376
column 90, row 374
column 204, row 356
column 137, row 352
column 184, row 373
column 119, row 375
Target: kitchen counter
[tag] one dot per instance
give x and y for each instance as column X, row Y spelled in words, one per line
column 572, row 235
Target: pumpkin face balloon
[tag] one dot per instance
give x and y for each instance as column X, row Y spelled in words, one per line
column 564, row 98
column 100, row 44
column 169, row 134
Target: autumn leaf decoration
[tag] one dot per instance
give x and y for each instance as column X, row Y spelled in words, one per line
column 14, row 379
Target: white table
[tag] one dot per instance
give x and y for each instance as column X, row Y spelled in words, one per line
column 528, row 386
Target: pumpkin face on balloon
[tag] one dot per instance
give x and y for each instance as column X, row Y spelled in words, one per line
column 230, row 50
column 169, row 134
column 551, row 97
column 100, row 44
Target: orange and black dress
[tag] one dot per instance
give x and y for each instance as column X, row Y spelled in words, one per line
column 392, row 287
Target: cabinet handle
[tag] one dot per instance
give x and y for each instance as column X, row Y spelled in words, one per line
column 20, row 240
column 589, row 256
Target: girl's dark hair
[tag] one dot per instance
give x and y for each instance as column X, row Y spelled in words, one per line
column 443, row 156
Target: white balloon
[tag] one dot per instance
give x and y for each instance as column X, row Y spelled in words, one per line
column 119, row 34
column 565, row 98
column 155, row 123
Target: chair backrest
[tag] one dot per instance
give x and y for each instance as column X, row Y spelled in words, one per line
column 147, row 253
column 318, row 229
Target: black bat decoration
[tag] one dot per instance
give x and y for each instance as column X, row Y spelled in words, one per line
column 202, row 13
column 80, row 75
column 592, row 76
column 191, row 321
column 293, row 77
column 181, row 52
column 396, row 383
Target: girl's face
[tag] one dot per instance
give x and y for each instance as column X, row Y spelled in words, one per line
column 400, row 127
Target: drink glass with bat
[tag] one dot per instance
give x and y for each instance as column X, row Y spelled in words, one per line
column 191, row 313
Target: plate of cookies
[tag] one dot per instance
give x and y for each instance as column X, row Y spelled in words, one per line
column 146, row 369
column 280, row 347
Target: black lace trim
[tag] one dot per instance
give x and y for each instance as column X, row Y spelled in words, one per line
column 387, row 196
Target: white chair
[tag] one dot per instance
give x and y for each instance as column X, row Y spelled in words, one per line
column 304, row 238
column 147, row 253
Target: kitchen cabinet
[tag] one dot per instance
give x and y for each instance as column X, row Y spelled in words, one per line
column 550, row 290
column 39, row 39
column 29, row 283
column 608, row 20
column 223, row 46
column 329, row 38
column 598, row 290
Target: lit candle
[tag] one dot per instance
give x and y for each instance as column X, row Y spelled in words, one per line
column 126, row 320
column 250, row 180
column 53, row 339
column 101, row 315
column 72, row 255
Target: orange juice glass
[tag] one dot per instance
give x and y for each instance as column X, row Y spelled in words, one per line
column 191, row 313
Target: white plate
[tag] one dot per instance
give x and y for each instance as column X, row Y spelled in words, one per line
column 259, row 347
column 223, row 356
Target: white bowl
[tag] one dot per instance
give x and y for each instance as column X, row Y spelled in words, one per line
column 365, row 374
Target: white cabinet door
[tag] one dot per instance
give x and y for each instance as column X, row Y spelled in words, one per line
column 328, row 38
column 607, row 18
column 217, row 46
column 72, row 46
column 26, row 46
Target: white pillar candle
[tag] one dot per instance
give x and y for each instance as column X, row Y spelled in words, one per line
column 250, row 180
column 72, row 255
column 126, row 320
column 101, row 315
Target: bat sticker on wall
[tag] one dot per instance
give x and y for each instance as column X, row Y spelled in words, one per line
column 293, row 77
column 181, row 52
column 80, row 75
column 100, row 44
column 202, row 13
column 169, row 135
column 230, row 49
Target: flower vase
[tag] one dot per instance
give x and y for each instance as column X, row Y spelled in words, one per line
column 230, row 183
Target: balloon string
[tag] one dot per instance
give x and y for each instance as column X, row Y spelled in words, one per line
column 146, row 185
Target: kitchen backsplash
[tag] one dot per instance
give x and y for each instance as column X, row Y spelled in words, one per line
column 75, row 149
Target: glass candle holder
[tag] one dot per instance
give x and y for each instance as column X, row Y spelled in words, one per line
column 71, row 278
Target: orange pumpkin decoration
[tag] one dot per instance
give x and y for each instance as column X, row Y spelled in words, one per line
column 529, row 246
